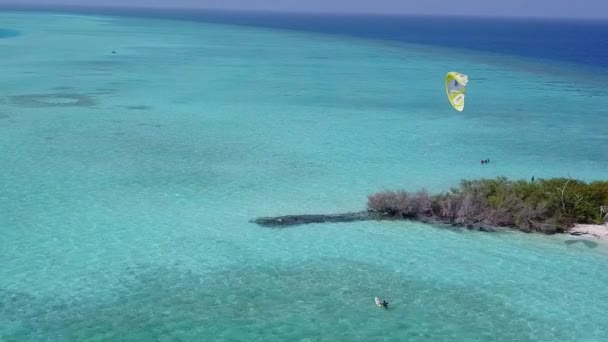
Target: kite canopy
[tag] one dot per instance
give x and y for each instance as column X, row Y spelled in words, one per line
column 455, row 86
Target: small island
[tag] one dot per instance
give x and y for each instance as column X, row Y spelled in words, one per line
column 557, row 205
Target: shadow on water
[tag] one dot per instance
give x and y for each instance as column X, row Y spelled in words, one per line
column 587, row 243
column 137, row 107
column 63, row 88
column 325, row 300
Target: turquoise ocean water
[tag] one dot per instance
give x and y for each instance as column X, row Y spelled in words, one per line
column 127, row 181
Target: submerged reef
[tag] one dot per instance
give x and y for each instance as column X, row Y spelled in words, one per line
column 294, row 220
column 53, row 100
column 8, row 33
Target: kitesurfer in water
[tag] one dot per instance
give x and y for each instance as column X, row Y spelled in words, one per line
column 385, row 304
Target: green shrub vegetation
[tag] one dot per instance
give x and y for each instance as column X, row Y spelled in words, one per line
column 545, row 205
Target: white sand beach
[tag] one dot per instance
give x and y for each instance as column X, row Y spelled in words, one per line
column 593, row 231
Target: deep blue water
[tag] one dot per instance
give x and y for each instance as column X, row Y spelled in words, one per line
column 582, row 42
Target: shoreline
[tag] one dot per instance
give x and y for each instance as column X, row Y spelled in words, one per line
column 589, row 232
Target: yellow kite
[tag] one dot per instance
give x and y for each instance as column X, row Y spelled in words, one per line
column 456, row 86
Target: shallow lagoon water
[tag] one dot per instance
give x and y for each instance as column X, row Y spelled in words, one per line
column 126, row 216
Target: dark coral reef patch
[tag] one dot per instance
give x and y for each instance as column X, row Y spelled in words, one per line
column 53, row 100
